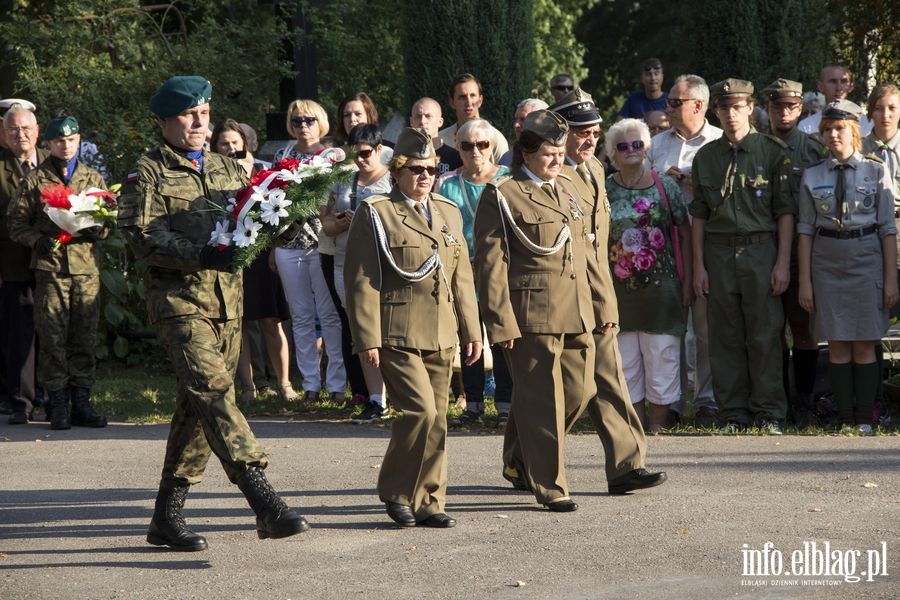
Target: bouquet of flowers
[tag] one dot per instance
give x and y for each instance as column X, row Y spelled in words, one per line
column 277, row 199
column 639, row 249
column 73, row 212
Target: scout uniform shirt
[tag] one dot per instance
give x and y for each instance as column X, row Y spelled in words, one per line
column 804, row 151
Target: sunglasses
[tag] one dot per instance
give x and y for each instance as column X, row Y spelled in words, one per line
column 469, row 146
column 564, row 88
column 649, row 68
column 308, row 121
column 677, row 102
column 419, row 169
column 625, row 146
column 364, row 154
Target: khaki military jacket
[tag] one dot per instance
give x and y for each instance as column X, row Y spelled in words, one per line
column 28, row 223
column 15, row 259
column 521, row 291
column 384, row 308
column 167, row 211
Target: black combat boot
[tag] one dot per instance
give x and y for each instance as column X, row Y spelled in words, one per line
column 59, row 409
column 273, row 517
column 83, row 414
column 168, row 527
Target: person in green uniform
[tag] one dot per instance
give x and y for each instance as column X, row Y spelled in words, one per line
column 194, row 297
column 67, row 279
column 743, row 225
column 784, row 102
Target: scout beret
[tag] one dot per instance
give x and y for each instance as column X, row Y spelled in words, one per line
column 730, row 88
column 783, row 87
column 8, row 103
column 578, row 108
column 61, row 127
column 179, row 93
column 414, row 143
column 547, row 125
column 843, row 110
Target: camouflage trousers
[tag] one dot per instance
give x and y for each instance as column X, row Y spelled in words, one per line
column 204, row 354
column 66, row 314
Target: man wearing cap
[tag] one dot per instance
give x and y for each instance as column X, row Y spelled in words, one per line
column 167, row 212
column 67, row 279
column 5, row 105
column 466, row 99
column 611, row 410
column 836, row 84
column 651, row 95
column 533, row 255
column 784, row 101
column 742, row 230
column 17, row 347
column 409, row 303
column 672, row 153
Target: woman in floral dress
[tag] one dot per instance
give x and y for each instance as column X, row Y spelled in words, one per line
column 652, row 300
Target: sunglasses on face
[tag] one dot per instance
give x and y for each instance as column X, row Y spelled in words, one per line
column 677, row 102
column 364, row 154
column 419, row 169
column 469, row 146
column 625, row 146
column 298, row 121
column 563, row 88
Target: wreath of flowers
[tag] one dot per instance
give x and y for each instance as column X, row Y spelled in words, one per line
column 72, row 212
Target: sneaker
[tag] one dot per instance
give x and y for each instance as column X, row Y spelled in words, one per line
column 371, row 413
column 733, row 428
column 770, row 427
column 466, row 419
column 864, row 429
column 502, row 419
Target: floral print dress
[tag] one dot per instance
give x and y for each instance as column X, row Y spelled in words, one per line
column 641, row 258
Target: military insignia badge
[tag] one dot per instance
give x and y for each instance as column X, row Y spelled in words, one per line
column 574, row 209
column 868, row 202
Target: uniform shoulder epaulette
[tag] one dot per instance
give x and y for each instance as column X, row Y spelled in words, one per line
column 567, row 175
column 444, row 199
column 873, row 156
column 778, row 141
column 500, row 180
column 374, row 199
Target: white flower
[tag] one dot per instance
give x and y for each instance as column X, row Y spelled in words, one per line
column 246, row 232
column 273, row 208
column 232, row 202
column 288, row 175
column 83, row 203
column 221, row 236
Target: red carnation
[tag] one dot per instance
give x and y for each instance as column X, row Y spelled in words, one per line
column 259, row 177
column 63, row 237
column 290, row 164
column 57, row 196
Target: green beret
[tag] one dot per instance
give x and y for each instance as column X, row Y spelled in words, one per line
column 578, row 108
column 843, row 110
column 547, row 125
column 61, row 127
column 730, row 88
column 179, row 93
column 414, row 143
column 783, row 87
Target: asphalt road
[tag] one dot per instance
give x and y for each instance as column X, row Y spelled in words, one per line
column 74, row 509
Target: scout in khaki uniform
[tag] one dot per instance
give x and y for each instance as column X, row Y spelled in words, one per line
column 784, row 102
column 611, row 410
column 194, row 300
column 533, row 252
column 847, row 255
column 743, row 225
column 410, row 297
column 67, row 280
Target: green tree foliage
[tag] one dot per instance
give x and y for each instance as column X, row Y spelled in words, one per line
column 866, row 37
column 556, row 49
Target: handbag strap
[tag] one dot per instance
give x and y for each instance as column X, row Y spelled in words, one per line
column 662, row 192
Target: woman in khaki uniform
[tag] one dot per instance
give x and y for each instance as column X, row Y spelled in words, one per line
column 410, row 295
column 533, row 253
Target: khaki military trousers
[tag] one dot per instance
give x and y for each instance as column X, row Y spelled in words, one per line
column 745, row 322
column 204, row 354
column 414, row 469
column 66, row 314
column 553, row 379
column 612, row 413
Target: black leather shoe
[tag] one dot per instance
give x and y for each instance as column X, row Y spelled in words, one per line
column 562, row 506
column 439, row 520
column 18, row 418
column 638, row 479
column 401, row 514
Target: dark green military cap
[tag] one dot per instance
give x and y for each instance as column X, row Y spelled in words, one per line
column 730, row 88
column 781, row 88
column 414, row 143
column 547, row 125
column 179, row 93
column 61, row 127
column 578, row 108
column 843, row 110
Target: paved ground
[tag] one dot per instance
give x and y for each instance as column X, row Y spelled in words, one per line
column 74, row 508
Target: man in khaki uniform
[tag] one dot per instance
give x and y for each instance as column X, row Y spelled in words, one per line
column 410, row 298
column 611, row 410
column 67, row 279
column 194, row 299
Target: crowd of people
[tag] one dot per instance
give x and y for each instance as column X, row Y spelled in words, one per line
column 640, row 275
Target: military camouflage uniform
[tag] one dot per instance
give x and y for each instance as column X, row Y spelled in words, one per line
column 67, row 287
column 166, row 212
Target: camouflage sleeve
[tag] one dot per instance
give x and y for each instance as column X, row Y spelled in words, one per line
column 21, row 214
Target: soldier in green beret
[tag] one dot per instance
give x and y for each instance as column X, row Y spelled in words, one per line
column 67, row 279
column 194, row 300
column 743, row 224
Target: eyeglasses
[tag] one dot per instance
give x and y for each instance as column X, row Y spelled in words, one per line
column 308, row 121
column 649, row 68
column 677, row 102
column 17, row 130
column 419, row 169
column 564, row 88
column 785, row 106
column 469, row 146
column 364, row 154
column 586, row 133
column 625, row 146
column 727, row 108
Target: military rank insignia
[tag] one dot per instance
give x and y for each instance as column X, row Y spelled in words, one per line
column 577, row 215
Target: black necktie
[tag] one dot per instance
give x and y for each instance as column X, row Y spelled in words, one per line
column 26, row 167
column 840, row 194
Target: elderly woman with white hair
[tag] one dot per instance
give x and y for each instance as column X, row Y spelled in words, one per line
column 650, row 257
